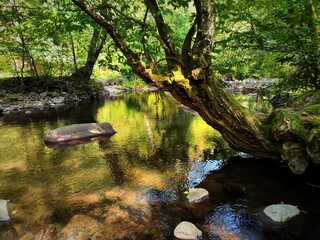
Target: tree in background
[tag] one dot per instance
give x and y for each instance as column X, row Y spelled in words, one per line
column 49, row 38
column 283, row 34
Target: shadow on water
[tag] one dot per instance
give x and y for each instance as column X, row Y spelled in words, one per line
column 132, row 186
column 241, row 190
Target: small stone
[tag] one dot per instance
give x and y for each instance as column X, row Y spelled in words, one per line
column 4, row 215
column 43, row 94
column 186, row 230
column 281, row 212
column 58, row 100
column 28, row 112
column 197, row 194
column 38, row 104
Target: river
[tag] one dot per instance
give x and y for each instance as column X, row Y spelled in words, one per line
column 132, row 186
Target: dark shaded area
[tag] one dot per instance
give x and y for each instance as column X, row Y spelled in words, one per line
column 244, row 187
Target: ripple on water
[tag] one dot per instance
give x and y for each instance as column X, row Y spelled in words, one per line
column 199, row 170
column 233, row 222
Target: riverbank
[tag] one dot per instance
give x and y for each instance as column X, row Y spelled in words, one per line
column 15, row 102
column 28, row 102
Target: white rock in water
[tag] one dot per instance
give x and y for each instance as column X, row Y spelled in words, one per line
column 4, row 215
column 281, row 212
column 187, row 231
column 197, row 194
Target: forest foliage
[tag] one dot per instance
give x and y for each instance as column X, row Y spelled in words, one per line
column 272, row 39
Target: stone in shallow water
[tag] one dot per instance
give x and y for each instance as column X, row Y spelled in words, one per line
column 186, row 230
column 4, row 215
column 197, row 194
column 281, row 212
column 79, row 131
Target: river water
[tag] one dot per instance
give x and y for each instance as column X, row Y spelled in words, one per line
column 132, row 186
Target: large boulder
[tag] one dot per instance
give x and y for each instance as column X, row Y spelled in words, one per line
column 85, row 131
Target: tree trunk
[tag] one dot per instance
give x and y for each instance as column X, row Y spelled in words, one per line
column 312, row 19
column 97, row 42
column 283, row 135
column 73, row 53
column 25, row 51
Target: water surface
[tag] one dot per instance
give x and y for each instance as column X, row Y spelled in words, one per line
column 132, row 185
column 157, row 143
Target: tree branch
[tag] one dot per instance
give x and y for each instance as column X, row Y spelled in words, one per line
column 186, row 49
column 153, row 66
column 132, row 19
column 203, row 45
column 133, row 59
column 110, row 28
column 167, row 43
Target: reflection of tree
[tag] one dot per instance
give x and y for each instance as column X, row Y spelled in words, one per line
column 40, row 181
column 168, row 124
column 54, row 176
column 142, row 117
column 252, row 102
column 113, row 159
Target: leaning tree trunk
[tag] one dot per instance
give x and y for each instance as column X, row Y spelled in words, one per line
column 97, row 42
column 283, row 135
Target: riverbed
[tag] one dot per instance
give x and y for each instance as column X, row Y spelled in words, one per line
column 132, row 186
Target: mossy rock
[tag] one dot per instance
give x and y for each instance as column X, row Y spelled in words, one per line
column 287, row 124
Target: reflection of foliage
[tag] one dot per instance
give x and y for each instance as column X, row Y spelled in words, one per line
column 175, row 133
column 33, row 172
column 254, row 102
column 221, row 149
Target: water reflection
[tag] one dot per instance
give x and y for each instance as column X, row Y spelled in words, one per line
column 260, row 104
column 147, row 161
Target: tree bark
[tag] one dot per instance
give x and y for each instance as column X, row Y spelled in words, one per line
column 190, row 80
column 312, row 19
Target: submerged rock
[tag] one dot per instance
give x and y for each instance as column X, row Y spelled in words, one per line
column 187, row 230
column 4, row 215
column 197, row 195
column 281, row 212
column 79, row 131
column 80, row 227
